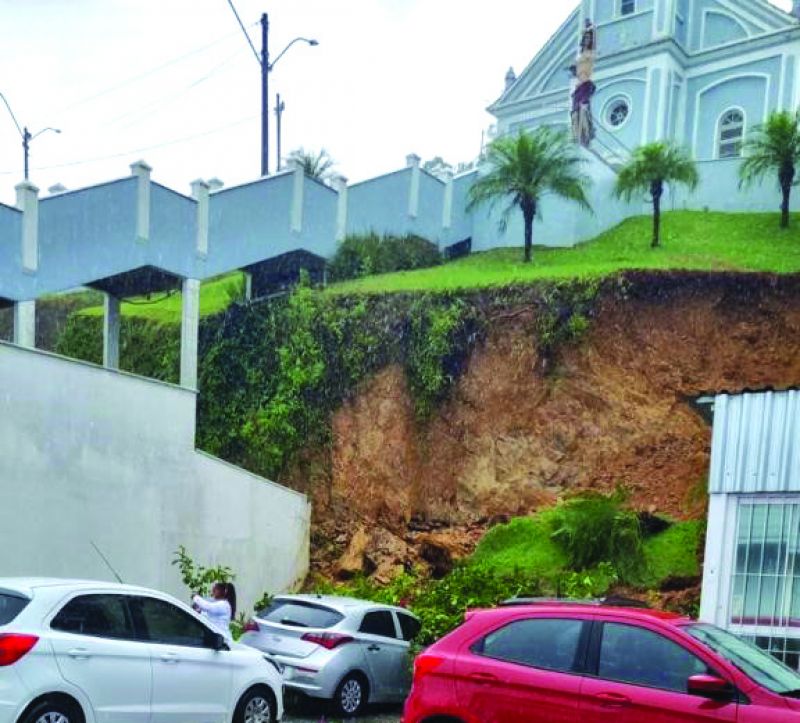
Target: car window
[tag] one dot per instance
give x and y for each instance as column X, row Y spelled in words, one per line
column 639, row 656
column 378, row 622
column 300, row 614
column 164, row 623
column 409, row 626
column 11, row 606
column 550, row 643
column 101, row 616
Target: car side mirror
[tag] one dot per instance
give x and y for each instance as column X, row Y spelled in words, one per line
column 216, row 641
column 710, row 686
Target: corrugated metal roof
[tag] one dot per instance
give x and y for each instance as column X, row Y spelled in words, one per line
column 755, row 443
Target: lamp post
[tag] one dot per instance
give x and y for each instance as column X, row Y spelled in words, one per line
column 26, row 143
column 25, row 134
column 266, row 69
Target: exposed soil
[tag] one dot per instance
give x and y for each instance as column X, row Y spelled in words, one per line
column 615, row 409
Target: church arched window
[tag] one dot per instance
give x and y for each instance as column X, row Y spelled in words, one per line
column 627, row 7
column 730, row 134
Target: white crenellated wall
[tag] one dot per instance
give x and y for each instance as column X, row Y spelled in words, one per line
column 89, row 454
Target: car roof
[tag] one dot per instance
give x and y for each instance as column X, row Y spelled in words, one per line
column 587, row 608
column 340, row 603
column 28, row 585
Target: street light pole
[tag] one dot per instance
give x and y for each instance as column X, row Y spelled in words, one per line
column 265, row 94
column 280, row 106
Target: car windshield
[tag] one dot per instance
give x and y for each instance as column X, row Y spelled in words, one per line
column 300, row 614
column 762, row 667
column 11, row 606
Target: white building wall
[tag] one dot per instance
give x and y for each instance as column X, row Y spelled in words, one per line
column 90, row 454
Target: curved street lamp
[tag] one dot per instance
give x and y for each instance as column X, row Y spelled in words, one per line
column 25, row 134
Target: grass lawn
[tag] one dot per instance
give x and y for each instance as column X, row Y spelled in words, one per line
column 215, row 296
column 690, row 240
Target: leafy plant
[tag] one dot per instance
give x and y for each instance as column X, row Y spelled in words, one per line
column 197, row 578
column 595, row 528
column 650, row 167
column 366, row 254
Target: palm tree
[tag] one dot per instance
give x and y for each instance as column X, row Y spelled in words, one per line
column 649, row 168
column 317, row 165
column 523, row 168
column 774, row 146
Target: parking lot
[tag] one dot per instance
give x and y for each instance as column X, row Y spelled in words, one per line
column 312, row 712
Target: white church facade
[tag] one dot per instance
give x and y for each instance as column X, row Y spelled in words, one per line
column 701, row 73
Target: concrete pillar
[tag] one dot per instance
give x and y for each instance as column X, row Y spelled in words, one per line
column 142, row 172
column 412, row 162
column 28, row 203
column 298, row 184
column 200, row 190
column 25, row 323
column 447, row 206
column 341, row 208
column 111, row 324
column 190, row 328
column 248, row 286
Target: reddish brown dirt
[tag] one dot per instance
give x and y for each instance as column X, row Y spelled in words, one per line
column 614, row 410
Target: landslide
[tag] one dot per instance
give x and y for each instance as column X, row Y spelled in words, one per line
column 522, row 428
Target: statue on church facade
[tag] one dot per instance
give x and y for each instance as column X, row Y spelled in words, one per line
column 584, row 87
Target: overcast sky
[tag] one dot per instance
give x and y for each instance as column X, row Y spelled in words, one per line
column 174, row 82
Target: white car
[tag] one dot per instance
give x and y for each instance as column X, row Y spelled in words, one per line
column 96, row 652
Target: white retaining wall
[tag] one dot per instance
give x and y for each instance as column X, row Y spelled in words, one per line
column 89, row 454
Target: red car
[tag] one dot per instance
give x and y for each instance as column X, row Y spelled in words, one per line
column 553, row 662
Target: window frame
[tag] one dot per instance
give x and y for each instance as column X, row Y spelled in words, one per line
column 143, row 633
column 595, row 647
column 79, row 595
column 475, row 646
column 633, row 9
column 606, row 112
column 718, row 140
column 395, row 624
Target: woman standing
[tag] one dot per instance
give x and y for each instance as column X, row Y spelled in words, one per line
column 220, row 609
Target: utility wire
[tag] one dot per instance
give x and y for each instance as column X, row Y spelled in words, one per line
column 137, row 113
column 146, row 73
column 13, row 117
column 130, row 152
column 244, row 30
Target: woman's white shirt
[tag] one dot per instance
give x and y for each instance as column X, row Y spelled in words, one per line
column 218, row 612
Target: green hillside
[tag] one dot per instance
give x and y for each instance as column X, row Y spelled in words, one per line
column 691, row 240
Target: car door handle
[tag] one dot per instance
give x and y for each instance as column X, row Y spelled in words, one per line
column 170, row 657
column 374, row 648
column 482, row 678
column 612, row 700
column 79, row 653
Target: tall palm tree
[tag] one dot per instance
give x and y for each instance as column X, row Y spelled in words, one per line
column 317, row 165
column 771, row 147
column 649, row 168
column 525, row 167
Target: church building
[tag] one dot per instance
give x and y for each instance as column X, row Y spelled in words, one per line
column 701, row 73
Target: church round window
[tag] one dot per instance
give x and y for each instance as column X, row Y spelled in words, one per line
column 617, row 112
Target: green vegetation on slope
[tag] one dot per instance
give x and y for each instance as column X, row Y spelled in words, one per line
column 691, row 240
column 215, row 296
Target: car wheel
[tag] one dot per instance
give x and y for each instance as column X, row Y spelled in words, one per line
column 52, row 712
column 351, row 696
column 256, row 706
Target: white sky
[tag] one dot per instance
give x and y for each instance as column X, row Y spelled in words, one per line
column 389, row 77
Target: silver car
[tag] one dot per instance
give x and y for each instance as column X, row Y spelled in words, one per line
column 350, row 652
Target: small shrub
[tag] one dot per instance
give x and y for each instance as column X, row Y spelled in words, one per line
column 197, row 578
column 596, row 528
column 366, row 254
